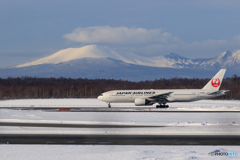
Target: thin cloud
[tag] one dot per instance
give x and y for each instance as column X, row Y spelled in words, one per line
column 120, row 35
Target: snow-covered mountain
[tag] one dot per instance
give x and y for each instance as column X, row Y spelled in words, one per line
column 102, row 68
column 94, row 51
column 90, row 51
column 102, row 62
column 228, row 59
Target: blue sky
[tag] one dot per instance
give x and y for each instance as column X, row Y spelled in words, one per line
column 192, row 28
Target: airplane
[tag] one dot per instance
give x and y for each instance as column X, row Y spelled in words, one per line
column 163, row 96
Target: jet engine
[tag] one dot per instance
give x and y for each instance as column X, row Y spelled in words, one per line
column 141, row 102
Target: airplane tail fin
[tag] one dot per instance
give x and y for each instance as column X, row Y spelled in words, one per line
column 215, row 83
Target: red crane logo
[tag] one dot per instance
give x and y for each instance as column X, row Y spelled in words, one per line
column 215, row 82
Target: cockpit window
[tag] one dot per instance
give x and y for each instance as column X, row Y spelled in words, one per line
column 101, row 95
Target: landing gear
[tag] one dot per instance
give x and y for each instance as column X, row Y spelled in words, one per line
column 162, row 106
column 109, row 105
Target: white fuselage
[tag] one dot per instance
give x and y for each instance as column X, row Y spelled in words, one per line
column 177, row 95
column 163, row 96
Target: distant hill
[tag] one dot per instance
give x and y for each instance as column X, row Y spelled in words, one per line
column 102, row 62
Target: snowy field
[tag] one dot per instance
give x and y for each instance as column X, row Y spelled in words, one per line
column 176, row 123
column 85, row 152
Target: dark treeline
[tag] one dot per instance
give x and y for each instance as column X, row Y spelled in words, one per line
column 28, row 87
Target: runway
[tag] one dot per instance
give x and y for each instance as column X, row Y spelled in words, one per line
column 74, row 125
column 120, row 139
column 118, row 126
column 116, row 109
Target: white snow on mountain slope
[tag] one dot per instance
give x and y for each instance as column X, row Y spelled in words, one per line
column 225, row 60
column 94, row 51
column 90, row 51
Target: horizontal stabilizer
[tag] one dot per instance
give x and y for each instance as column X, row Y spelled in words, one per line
column 219, row 92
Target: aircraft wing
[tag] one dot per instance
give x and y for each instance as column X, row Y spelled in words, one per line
column 160, row 97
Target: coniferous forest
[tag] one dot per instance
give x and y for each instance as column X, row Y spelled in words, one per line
column 32, row 87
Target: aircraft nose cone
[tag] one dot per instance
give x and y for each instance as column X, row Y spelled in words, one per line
column 98, row 98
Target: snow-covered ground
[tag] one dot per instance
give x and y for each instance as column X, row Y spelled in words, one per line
column 75, row 152
column 203, row 105
column 177, row 123
column 174, row 123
